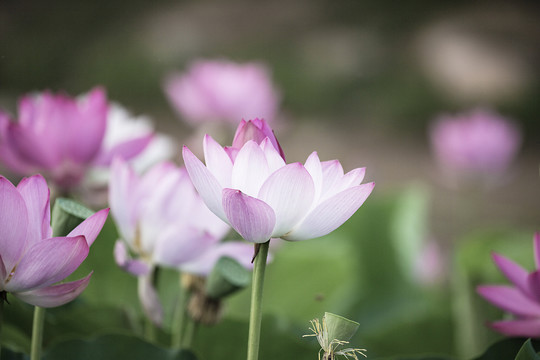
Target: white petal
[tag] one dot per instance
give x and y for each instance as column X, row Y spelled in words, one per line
column 217, row 161
column 250, row 169
column 331, row 214
column 289, row 192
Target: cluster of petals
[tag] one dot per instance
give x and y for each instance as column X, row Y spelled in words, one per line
column 61, row 137
column 219, row 90
column 522, row 299
column 250, row 186
column 480, row 141
column 163, row 222
column 32, row 261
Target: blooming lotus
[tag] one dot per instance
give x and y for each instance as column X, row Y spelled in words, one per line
column 222, row 91
column 163, row 222
column 250, row 187
column 32, row 261
column 522, row 299
column 62, row 137
column 480, row 142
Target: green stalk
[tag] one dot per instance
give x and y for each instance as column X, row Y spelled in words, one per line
column 179, row 318
column 37, row 333
column 191, row 326
column 255, row 316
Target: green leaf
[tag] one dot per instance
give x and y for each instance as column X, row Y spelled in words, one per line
column 113, row 347
column 504, row 350
column 527, row 352
column 227, row 277
column 339, row 327
column 66, row 215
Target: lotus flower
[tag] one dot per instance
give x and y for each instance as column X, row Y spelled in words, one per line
column 480, row 142
column 162, row 221
column 250, row 187
column 222, row 91
column 522, row 299
column 32, row 261
column 62, row 137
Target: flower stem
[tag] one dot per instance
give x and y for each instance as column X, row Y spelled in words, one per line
column 255, row 316
column 179, row 318
column 37, row 333
column 191, row 326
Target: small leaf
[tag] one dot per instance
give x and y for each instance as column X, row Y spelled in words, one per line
column 66, row 215
column 227, row 277
column 340, row 328
column 527, row 352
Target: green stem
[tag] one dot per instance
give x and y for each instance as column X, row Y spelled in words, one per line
column 189, row 334
column 37, row 333
column 149, row 330
column 255, row 316
column 179, row 318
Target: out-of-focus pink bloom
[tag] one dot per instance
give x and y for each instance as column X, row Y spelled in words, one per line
column 162, row 221
column 430, row 265
column 522, row 299
column 262, row 197
column 479, row 142
column 61, row 137
column 31, row 260
column 222, row 91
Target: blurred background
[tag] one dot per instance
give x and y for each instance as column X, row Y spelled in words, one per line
column 360, row 81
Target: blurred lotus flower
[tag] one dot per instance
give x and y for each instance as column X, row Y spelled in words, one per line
column 262, row 197
column 32, row 261
column 162, row 221
column 222, row 91
column 522, row 299
column 61, row 137
column 480, row 142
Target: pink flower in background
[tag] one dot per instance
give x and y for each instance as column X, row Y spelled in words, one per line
column 61, row 137
column 522, row 299
column 32, row 261
column 250, row 187
column 222, row 91
column 162, row 221
column 479, row 142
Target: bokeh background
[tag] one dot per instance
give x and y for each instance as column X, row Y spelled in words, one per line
column 361, row 81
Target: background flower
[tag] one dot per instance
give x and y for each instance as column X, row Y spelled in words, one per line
column 163, row 222
column 219, row 90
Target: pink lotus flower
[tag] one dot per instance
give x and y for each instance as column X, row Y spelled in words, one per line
column 480, row 142
column 61, row 137
column 163, row 222
column 250, row 187
column 522, row 299
column 32, row 261
column 222, row 91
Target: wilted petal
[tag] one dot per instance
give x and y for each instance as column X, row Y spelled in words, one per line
column 91, row 227
column 509, row 299
column 217, row 161
column 48, row 262
column 206, row 184
column 521, row 328
column 55, row 295
column 289, row 191
column 250, row 169
column 252, row 218
column 513, row 272
column 149, row 299
column 121, row 256
column 35, row 193
column 331, row 213
column 13, row 224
